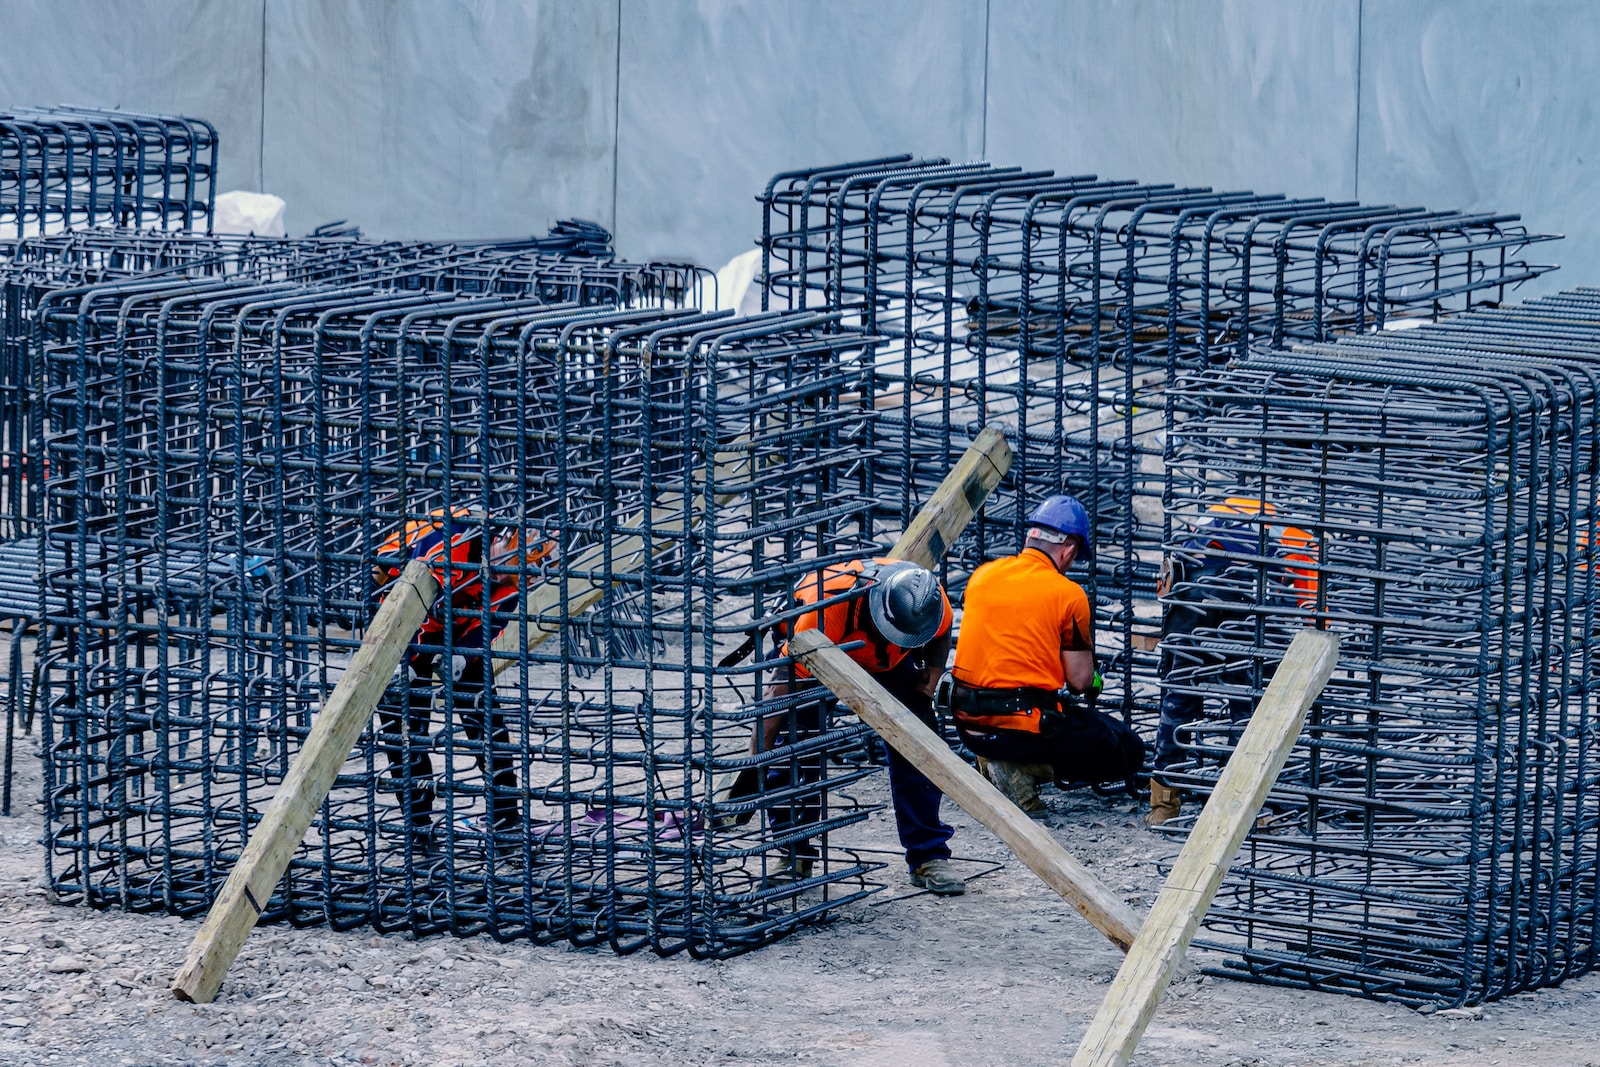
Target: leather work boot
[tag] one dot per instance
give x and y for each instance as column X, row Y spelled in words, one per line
column 1165, row 803
column 795, row 869
column 937, row 878
column 1018, row 784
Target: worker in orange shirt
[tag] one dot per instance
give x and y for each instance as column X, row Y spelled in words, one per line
column 1024, row 683
column 899, row 617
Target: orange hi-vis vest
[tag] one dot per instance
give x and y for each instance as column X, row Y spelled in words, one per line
column 848, row 618
column 1021, row 614
column 453, row 554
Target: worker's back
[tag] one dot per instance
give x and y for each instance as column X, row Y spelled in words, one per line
column 1021, row 614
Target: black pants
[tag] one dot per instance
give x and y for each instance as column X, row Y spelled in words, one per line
column 1081, row 745
column 482, row 722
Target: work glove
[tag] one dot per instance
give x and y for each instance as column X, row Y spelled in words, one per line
column 1097, row 684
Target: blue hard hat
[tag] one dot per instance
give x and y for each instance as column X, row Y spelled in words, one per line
column 1064, row 514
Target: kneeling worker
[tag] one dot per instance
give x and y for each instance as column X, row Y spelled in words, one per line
column 1027, row 633
column 900, row 614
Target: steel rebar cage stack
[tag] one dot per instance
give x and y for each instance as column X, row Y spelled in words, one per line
column 46, row 281
column 68, row 168
column 1062, row 306
column 227, row 464
column 1434, row 836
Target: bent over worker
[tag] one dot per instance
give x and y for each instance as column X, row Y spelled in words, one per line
column 1027, row 634
column 453, row 547
column 899, row 614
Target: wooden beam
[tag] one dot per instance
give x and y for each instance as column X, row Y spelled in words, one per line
column 980, row 799
column 342, row 718
column 1216, row 837
column 940, row 521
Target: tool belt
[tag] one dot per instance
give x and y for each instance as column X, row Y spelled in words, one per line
column 1025, row 709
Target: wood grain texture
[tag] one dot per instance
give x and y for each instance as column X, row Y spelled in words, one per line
column 1131, row 1001
column 940, row 521
column 977, row 796
column 334, row 732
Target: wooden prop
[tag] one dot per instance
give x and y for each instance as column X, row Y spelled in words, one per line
column 1216, row 837
column 961, row 783
column 342, row 718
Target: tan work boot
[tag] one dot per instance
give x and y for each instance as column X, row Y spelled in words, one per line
column 794, row 869
column 1018, row 784
column 1165, row 803
column 937, row 878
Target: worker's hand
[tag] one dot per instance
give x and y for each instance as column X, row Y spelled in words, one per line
column 1096, row 685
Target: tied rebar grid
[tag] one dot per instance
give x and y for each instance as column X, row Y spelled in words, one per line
column 46, row 282
column 224, row 471
column 67, row 168
column 1433, row 837
column 1062, row 306
column 570, row 264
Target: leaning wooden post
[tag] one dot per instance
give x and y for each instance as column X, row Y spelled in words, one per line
column 342, row 718
column 940, row 521
column 980, row 799
column 1216, row 837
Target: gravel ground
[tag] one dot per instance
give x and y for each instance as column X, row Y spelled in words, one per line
column 1006, row 975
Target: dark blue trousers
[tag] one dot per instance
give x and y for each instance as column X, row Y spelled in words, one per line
column 923, row 834
column 916, row 800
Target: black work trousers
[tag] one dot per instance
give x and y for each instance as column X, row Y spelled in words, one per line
column 1081, row 746
column 482, row 722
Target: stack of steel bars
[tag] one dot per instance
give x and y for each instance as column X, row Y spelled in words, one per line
column 1435, row 836
column 46, row 282
column 1062, row 306
column 67, row 168
column 227, row 460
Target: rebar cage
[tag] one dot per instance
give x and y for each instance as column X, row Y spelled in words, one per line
column 45, row 281
column 228, row 461
column 1061, row 307
column 1433, row 838
column 67, row 168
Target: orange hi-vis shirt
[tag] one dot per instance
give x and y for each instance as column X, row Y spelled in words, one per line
column 1021, row 614
column 850, row 619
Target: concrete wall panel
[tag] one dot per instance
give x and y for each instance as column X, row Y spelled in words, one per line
column 1485, row 105
column 719, row 95
column 420, row 118
column 192, row 57
column 1241, row 94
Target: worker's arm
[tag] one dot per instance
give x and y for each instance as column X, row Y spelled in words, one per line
column 933, row 657
column 1079, row 668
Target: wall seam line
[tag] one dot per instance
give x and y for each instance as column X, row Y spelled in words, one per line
column 1360, row 12
column 983, row 136
column 616, row 121
column 261, row 126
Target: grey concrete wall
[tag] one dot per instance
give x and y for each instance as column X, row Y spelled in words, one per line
column 663, row 119
column 193, row 57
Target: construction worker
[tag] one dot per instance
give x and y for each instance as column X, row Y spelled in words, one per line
column 453, row 547
column 899, row 615
column 1024, row 683
column 1208, row 581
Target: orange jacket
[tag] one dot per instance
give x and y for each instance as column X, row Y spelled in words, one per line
column 849, row 619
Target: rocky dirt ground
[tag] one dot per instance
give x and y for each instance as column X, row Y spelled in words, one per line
column 1007, row 975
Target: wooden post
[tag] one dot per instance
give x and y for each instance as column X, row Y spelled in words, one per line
column 940, row 521
column 976, row 795
column 342, row 718
column 1217, row 835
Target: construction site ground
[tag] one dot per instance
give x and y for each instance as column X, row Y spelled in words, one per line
column 1007, row 975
